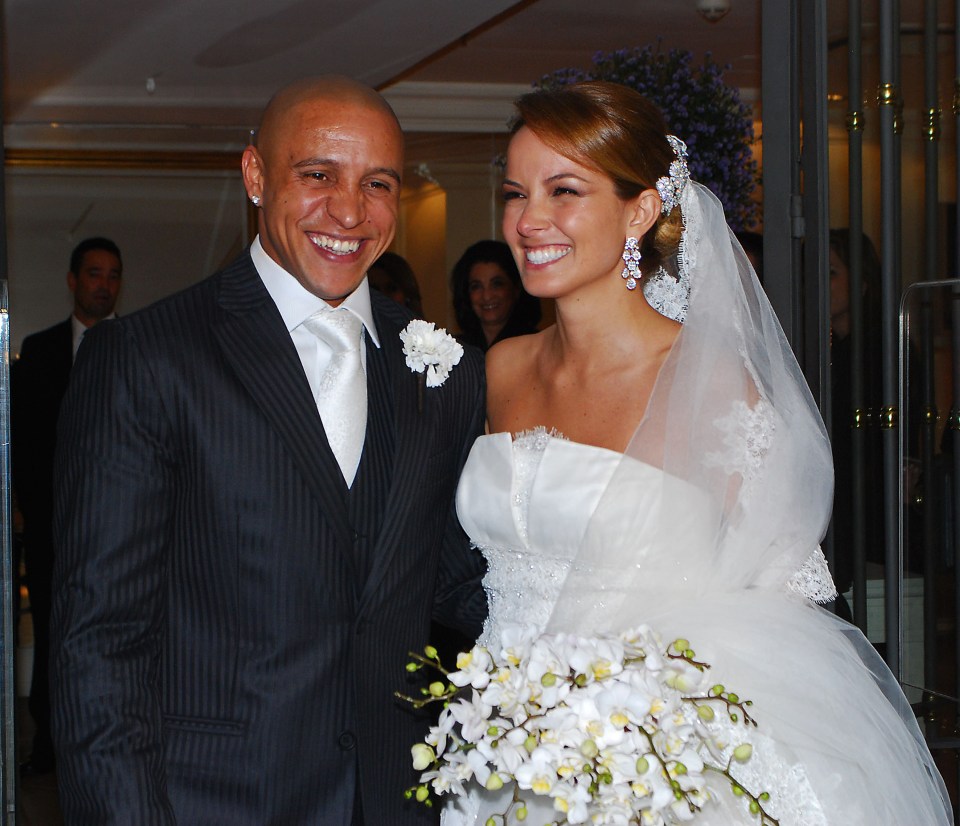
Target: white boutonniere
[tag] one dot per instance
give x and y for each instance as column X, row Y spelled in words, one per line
column 430, row 351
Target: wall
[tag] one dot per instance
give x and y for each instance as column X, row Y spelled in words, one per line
column 173, row 228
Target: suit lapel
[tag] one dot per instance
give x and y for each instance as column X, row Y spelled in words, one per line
column 254, row 340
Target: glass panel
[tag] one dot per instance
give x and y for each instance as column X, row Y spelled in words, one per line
column 930, row 501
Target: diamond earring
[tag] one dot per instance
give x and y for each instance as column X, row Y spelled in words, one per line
column 631, row 256
column 255, row 200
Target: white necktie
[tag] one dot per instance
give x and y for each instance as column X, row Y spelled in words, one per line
column 342, row 395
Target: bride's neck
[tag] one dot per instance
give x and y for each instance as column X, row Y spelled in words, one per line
column 588, row 330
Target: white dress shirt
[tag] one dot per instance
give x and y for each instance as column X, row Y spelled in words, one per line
column 78, row 328
column 296, row 304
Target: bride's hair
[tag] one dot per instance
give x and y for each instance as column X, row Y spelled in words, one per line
column 618, row 132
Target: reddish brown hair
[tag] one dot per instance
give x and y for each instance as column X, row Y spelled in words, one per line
column 615, row 130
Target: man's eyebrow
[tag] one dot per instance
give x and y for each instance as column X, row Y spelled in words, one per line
column 380, row 170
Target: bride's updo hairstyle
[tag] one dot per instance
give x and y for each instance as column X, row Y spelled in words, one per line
column 616, row 131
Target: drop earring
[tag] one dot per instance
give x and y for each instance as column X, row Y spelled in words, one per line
column 631, row 257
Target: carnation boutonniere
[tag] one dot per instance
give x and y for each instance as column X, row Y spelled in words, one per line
column 429, row 351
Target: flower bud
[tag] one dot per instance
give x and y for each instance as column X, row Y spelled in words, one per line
column 422, row 793
column 530, row 743
column 706, row 713
column 437, row 689
column 423, row 756
column 681, row 644
column 522, row 814
column 733, row 698
column 494, row 782
column 431, row 652
column 588, row 748
column 493, row 731
column 643, row 765
column 548, row 680
column 743, row 752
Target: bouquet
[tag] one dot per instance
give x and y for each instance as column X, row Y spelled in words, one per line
column 614, row 729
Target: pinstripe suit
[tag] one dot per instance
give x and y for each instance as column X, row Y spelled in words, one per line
column 230, row 621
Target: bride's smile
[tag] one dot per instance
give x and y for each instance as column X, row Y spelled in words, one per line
column 563, row 220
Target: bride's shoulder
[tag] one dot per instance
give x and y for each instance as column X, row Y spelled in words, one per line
column 513, row 359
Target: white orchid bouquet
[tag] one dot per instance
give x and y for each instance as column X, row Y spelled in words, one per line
column 616, row 729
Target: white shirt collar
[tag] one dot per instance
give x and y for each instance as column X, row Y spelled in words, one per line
column 78, row 328
column 296, row 304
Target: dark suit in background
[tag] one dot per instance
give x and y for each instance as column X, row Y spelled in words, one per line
column 38, row 382
column 230, row 629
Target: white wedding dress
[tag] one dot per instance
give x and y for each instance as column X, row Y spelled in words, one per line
column 836, row 743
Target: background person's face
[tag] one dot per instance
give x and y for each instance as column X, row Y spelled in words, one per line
column 95, row 286
column 492, row 293
column 329, row 183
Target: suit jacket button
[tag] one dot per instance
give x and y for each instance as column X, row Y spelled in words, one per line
column 347, row 741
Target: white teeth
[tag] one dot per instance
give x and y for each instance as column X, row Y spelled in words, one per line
column 335, row 245
column 544, row 255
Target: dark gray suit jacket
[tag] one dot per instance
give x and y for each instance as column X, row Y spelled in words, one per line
column 221, row 653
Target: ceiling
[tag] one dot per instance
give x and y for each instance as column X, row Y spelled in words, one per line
column 193, row 75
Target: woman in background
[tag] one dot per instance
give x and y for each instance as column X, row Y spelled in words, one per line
column 488, row 298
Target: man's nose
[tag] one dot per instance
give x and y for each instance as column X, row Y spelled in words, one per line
column 346, row 206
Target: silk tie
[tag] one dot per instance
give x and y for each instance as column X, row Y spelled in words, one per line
column 342, row 395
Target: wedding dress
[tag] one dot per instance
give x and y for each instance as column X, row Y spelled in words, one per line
column 707, row 528
column 831, row 747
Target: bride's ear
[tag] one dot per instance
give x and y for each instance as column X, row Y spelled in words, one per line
column 643, row 212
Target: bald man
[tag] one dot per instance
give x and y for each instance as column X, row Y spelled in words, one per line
column 235, row 595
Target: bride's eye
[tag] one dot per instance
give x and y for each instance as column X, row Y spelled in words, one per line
column 511, row 195
column 565, row 190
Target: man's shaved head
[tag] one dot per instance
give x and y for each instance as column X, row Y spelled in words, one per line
column 325, row 174
column 311, row 90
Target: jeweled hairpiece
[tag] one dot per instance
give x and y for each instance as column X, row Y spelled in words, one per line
column 671, row 186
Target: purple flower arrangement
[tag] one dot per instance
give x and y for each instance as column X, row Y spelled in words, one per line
column 700, row 109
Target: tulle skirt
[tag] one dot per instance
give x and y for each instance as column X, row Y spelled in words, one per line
column 836, row 743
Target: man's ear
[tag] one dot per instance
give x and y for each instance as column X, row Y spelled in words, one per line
column 645, row 209
column 252, row 166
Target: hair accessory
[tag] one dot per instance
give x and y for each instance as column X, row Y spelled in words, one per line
column 671, row 186
column 255, row 200
column 631, row 256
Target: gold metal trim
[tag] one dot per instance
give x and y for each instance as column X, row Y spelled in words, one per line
column 121, row 159
column 931, row 128
column 888, row 418
column 855, row 121
column 859, row 419
column 887, row 94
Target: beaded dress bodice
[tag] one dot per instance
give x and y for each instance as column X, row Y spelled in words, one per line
column 526, row 502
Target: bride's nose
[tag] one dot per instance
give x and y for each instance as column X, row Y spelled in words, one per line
column 531, row 218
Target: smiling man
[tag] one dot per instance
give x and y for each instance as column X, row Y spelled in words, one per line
column 266, row 526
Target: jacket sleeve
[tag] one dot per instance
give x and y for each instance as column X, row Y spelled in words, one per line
column 113, row 507
column 460, row 601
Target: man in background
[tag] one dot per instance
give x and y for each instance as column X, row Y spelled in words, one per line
column 38, row 383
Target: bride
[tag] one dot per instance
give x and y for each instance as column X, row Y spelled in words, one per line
column 668, row 467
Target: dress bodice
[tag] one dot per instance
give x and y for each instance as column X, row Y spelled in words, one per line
column 527, row 503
